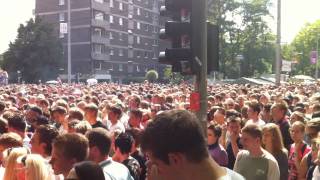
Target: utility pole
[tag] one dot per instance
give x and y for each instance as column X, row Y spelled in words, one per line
column 69, row 42
column 199, row 42
column 278, row 46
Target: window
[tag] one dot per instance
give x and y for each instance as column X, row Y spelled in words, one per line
column 147, row 14
column 138, row 69
column 111, row 3
column 120, row 21
column 138, row 54
column 145, row 54
column 138, row 39
column 61, row 2
column 120, row 36
column 111, row 51
column 98, row 15
column 138, row 11
column 61, row 16
column 97, row 48
column 97, row 65
column 97, row 31
column 130, row 16
column 110, row 35
column 130, row 53
column 120, row 6
column 120, row 67
column 138, row 25
column 111, row 19
column 99, row 1
column 120, row 52
column 61, row 35
column 146, row 27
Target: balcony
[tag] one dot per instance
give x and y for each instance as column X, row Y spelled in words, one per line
column 100, row 23
column 102, row 57
column 100, row 6
column 100, row 40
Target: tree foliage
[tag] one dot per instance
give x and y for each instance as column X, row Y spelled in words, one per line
column 243, row 31
column 152, row 75
column 36, row 52
column 299, row 50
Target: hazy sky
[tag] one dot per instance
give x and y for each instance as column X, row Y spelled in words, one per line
column 295, row 13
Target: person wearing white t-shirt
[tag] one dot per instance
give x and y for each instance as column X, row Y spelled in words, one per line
column 253, row 114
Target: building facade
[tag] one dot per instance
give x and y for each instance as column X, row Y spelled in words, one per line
column 111, row 40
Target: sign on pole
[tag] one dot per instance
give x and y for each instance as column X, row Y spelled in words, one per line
column 313, row 57
column 63, row 28
column 286, row 66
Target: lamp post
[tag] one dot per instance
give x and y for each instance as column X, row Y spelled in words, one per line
column 278, row 45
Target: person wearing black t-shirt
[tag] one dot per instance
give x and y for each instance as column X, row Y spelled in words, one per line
column 233, row 145
column 91, row 115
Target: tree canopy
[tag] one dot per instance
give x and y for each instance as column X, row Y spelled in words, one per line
column 36, row 52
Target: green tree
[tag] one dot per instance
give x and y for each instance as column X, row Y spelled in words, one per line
column 152, row 75
column 300, row 48
column 243, row 30
column 36, row 52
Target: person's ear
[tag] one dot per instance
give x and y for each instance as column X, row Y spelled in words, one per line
column 175, row 158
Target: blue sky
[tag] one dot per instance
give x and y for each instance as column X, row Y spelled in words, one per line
column 295, row 13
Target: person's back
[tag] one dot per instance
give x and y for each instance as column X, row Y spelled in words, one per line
column 115, row 170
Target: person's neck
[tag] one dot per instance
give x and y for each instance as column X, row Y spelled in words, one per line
column 114, row 121
column 92, row 120
column 255, row 118
column 268, row 147
column 256, row 152
column 207, row 169
column 101, row 158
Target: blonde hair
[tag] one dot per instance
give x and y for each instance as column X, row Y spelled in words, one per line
column 10, row 157
column 36, row 168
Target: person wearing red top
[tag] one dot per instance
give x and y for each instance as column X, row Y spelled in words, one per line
column 297, row 150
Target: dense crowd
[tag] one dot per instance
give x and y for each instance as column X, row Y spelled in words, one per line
column 147, row 131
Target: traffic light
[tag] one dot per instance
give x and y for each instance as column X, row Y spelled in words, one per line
column 212, row 47
column 178, row 32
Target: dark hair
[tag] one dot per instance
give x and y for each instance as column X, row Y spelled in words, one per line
column 72, row 145
column 216, row 129
column 2, row 106
column 42, row 120
column 100, row 138
column 36, row 109
column 175, row 131
column 3, row 126
column 315, row 114
column 255, row 106
column 86, row 170
column 137, row 113
column 17, row 122
column 46, row 135
column 136, row 134
column 253, row 130
column 124, row 142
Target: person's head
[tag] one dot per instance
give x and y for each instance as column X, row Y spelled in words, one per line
column 136, row 134
column 123, row 143
column 173, row 139
column 272, row 137
column 213, row 133
column 134, row 102
column 86, row 170
column 91, row 113
column 82, row 127
column 135, row 118
column 219, row 115
column 10, row 157
column 17, row 124
column 297, row 131
column 99, row 143
column 32, row 166
column 3, row 126
column 9, row 140
column 229, row 103
column 278, row 111
column 312, row 129
column 32, row 113
column 234, row 125
column 297, row 116
column 254, row 110
column 41, row 141
column 251, row 137
column 58, row 114
column 68, row 149
column 115, row 113
column 75, row 113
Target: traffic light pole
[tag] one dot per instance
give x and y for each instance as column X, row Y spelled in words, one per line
column 199, row 48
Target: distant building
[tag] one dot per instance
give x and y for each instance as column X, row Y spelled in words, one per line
column 110, row 39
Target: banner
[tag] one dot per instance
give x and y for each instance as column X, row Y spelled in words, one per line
column 313, row 57
column 286, row 66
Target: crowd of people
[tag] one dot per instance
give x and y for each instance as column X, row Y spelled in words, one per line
column 147, row 131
